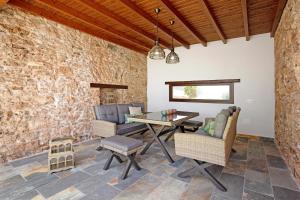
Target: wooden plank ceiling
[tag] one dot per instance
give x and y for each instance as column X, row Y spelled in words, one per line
column 131, row 23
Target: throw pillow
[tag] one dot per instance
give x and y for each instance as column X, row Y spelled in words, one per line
column 209, row 127
column 135, row 110
column 127, row 121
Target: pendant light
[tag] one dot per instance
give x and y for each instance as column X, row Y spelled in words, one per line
column 172, row 57
column 157, row 53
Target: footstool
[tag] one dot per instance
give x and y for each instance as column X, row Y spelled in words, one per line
column 125, row 146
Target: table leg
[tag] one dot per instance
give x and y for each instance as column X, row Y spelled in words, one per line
column 163, row 148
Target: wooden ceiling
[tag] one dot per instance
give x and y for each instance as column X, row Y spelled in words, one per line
column 131, row 23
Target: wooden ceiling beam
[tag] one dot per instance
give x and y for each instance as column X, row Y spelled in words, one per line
column 280, row 8
column 3, row 3
column 78, row 26
column 92, row 4
column 60, row 7
column 167, row 4
column 213, row 20
column 245, row 19
column 129, row 4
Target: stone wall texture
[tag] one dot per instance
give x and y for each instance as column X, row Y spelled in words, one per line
column 45, row 72
column 287, row 55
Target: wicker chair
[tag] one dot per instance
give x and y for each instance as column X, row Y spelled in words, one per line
column 206, row 150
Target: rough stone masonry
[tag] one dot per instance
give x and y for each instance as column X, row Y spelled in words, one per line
column 287, row 76
column 45, row 72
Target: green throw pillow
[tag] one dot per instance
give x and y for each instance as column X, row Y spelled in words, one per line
column 209, row 128
column 127, row 121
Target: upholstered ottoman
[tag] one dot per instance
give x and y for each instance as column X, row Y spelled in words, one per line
column 121, row 145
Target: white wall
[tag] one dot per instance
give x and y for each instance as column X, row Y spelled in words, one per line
column 251, row 61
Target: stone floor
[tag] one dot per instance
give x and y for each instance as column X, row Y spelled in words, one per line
column 256, row 171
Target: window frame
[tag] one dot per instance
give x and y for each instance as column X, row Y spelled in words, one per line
column 229, row 82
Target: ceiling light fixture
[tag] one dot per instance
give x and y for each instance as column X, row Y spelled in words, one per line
column 157, row 53
column 172, row 57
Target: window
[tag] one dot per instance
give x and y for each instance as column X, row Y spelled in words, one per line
column 210, row 91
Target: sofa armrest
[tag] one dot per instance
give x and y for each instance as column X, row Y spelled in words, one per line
column 104, row 128
column 200, row 147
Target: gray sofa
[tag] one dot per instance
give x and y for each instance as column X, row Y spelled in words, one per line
column 110, row 120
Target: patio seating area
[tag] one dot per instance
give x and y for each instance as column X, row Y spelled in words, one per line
column 149, row 100
column 255, row 171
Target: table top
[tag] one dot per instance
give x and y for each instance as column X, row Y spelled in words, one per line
column 168, row 120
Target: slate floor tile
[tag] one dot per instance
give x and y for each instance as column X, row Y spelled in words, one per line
column 235, row 167
column 257, row 164
column 200, row 188
column 169, row 189
column 285, row 194
column 240, row 154
column 38, row 179
column 271, row 150
column 141, row 189
column 70, row 193
column 61, row 184
column 36, row 158
column 94, row 187
column 250, row 195
column 258, row 182
column 234, row 185
column 133, row 176
column 282, row 178
column 277, row 162
column 28, row 195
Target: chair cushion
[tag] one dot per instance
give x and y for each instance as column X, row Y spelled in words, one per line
column 121, row 143
column 107, row 113
column 127, row 128
column 220, row 123
column 122, row 110
column 139, row 105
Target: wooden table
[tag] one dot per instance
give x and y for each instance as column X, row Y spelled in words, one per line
column 171, row 121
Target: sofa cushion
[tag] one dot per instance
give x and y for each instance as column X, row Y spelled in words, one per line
column 139, row 105
column 135, row 110
column 127, row 128
column 107, row 113
column 121, row 143
column 122, row 110
column 220, row 123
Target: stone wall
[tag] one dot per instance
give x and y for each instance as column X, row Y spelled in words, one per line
column 287, row 55
column 45, row 72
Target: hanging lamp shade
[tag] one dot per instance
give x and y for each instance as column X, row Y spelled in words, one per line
column 172, row 57
column 157, row 53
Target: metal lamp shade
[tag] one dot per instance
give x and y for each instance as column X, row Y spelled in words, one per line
column 157, row 53
column 172, row 57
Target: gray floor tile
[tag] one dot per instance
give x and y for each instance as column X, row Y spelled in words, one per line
column 235, row 167
column 133, row 176
column 285, row 194
column 277, row 162
column 234, row 185
column 257, row 164
column 258, row 182
column 61, row 184
column 282, row 178
column 37, row 158
column 28, row 195
column 94, row 188
column 250, row 195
